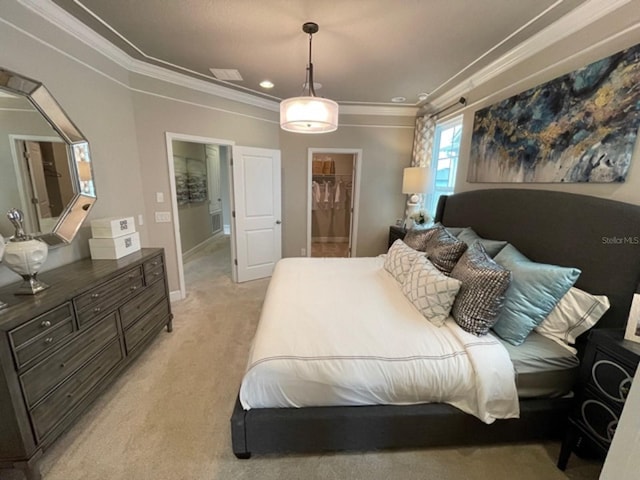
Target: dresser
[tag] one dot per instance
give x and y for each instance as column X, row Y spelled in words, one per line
column 607, row 370
column 61, row 348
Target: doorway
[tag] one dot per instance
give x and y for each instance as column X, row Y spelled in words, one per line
column 201, row 199
column 332, row 206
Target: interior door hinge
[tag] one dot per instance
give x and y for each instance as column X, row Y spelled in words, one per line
column 233, row 213
column 235, row 262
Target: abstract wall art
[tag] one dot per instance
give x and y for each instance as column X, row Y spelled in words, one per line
column 580, row 127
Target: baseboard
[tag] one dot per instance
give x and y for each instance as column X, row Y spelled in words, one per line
column 200, row 246
column 175, row 296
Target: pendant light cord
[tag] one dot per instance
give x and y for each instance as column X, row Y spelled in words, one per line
column 312, row 91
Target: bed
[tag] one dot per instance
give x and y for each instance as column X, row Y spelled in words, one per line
column 548, row 227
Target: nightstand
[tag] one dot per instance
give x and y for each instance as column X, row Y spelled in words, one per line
column 606, row 373
column 395, row 233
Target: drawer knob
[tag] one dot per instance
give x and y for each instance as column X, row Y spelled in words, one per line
column 48, row 340
column 63, row 364
column 95, row 295
column 134, row 288
column 46, row 323
column 155, row 264
column 157, row 274
column 97, row 309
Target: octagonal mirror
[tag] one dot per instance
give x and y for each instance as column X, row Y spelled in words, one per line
column 45, row 164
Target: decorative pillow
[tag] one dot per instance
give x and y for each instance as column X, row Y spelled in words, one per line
column 443, row 249
column 455, row 231
column 535, row 290
column 492, row 247
column 481, row 294
column 576, row 312
column 399, row 260
column 430, row 291
column 417, row 238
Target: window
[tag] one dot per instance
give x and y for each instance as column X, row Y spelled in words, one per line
column 444, row 160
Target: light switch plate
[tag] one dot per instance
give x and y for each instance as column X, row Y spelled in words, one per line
column 163, row 217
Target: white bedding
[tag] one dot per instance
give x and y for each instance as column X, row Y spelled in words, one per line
column 340, row 332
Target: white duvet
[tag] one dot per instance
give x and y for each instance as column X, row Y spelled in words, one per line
column 340, row 332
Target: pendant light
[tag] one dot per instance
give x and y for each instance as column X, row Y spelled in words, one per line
column 309, row 113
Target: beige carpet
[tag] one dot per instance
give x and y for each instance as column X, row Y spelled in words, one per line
column 167, row 418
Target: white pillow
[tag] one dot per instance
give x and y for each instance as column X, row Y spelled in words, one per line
column 399, row 259
column 431, row 291
column 576, row 312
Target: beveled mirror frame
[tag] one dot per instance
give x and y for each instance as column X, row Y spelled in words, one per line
column 76, row 211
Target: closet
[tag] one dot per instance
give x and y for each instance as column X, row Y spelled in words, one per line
column 331, row 204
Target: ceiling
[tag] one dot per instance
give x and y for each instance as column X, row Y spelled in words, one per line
column 366, row 52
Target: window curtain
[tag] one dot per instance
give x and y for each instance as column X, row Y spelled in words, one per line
column 423, row 146
column 423, row 141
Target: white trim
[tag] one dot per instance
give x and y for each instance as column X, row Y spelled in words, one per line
column 203, row 244
column 170, row 137
column 357, row 154
column 382, row 110
column 577, row 19
column 175, row 296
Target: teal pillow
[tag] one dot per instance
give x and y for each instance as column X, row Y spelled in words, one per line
column 492, row 247
column 534, row 291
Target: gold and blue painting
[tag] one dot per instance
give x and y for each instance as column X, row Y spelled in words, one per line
column 580, row 127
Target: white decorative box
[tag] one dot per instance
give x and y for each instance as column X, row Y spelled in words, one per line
column 114, row 248
column 112, row 227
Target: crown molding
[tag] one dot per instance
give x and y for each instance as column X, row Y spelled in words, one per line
column 74, row 27
column 577, row 19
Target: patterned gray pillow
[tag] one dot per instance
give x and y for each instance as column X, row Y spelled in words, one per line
column 481, row 295
column 399, row 260
column 417, row 238
column 430, row 291
column 443, row 249
column 492, row 247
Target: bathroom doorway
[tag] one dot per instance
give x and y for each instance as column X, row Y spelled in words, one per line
column 333, row 191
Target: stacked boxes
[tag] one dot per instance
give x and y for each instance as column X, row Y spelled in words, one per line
column 113, row 238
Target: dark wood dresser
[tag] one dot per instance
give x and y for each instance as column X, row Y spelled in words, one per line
column 61, row 348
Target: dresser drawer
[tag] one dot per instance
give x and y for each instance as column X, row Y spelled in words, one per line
column 611, row 379
column 145, row 325
column 153, row 264
column 100, row 300
column 42, row 334
column 50, row 371
column 55, row 406
column 152, row 276
column 135, row 307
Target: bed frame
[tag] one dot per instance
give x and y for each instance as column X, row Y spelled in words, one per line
column 598, row 236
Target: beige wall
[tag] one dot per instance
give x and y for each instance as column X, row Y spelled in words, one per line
column 101, row 107
column 386, row 150
column 563, row 57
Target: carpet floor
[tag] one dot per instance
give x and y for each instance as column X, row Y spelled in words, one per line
column 167, row 417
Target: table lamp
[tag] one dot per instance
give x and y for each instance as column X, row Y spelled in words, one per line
column 415, row 181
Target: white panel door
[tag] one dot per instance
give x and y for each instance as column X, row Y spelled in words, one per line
column 258, row 226
column 213, row 170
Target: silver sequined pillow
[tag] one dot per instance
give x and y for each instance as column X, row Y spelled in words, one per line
column 399, row 260
column 430, row 291
column 417, row 238
column 443, row 249
column 481, row 295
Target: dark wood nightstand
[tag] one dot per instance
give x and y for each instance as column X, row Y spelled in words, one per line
column 396, row 232
column 606, row 374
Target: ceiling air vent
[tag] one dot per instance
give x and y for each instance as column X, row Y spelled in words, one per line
column 227, row 74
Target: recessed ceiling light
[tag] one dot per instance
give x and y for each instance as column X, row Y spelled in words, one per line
column 399, row 99
column 228, row 74
column 423, row 96
column 267, row 84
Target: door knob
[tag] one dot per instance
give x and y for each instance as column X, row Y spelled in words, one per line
column 278, row 222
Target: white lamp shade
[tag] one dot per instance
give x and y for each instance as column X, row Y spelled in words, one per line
column 416, row 180
column 308, row 115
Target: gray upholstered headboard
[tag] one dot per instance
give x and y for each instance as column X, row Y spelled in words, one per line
column 601, row 237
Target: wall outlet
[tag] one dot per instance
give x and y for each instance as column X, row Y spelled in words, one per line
column 140, row 219
column 163, row 217
column 303, row 252
column 159, row 197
